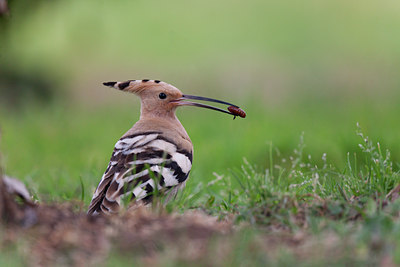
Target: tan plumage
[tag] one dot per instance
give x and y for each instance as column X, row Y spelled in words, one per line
column 156, row 146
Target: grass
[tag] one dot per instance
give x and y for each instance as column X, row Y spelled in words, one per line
column 285, row 190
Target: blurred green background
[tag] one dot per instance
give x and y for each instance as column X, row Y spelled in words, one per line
column 316, row 67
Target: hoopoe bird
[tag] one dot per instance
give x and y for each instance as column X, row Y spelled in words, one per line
column 157, row 146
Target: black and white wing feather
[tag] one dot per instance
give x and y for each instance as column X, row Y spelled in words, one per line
column 135, row 162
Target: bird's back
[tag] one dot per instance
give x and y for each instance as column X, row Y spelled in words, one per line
column 151, row 157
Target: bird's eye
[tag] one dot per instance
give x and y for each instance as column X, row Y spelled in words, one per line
column 162, row 96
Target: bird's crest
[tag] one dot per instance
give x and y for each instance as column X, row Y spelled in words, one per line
column 134, row 86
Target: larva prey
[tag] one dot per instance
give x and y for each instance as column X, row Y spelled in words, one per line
column 236, row 111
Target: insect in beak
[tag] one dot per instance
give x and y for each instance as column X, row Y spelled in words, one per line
column 232, row 109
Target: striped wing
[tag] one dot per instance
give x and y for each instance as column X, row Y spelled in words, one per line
column 135, row 163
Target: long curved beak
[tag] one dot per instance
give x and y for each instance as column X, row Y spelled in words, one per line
column 232, row 109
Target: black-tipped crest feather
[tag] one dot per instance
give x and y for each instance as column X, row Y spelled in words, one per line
column 111, row 84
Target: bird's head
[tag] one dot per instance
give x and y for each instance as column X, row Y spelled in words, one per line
column 160, row 99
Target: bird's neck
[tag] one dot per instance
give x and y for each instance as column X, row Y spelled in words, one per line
column 170, row 127
column 164, row 121
column 168, row 117
column 157, row 114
